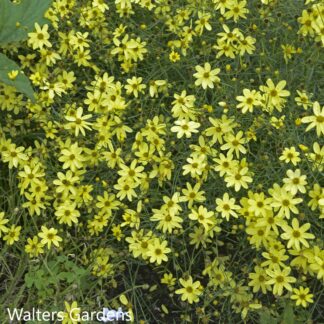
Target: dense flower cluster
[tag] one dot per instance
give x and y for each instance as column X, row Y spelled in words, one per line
column 182, row 140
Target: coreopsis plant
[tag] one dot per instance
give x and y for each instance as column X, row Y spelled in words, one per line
column 164, row 158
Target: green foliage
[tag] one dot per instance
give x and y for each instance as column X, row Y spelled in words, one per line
column 287, row 316
column 21, row 83
column 266, row 318
column 56, row 273
column 16, row 20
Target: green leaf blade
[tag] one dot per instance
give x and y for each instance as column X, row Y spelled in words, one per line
column 21, row 83
column 25, row 14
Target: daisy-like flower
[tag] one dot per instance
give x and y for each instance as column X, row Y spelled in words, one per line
column 67, row 213
column 290, row 155
column 317, row 120
column 190, row 291
column 203, row 216
column 226, row 206
column 196, row 165
column 283, row 201
column 302, row 296
column 238, row 178
column 296, row 235
column 185, row 127
column 236, row 10
column 258, row 280
column 157, row 251
column 135, row 86
column 275, row 94
column 12, row 234
column 235, row 143
column 259, row 205
column 302, row 99
column 49, row 237
column 34, row 247
column 249, row 100
column 192, row 194
column 295, row 182
column 40, row 38
column 78, row 122
column 72, row 157
column 280, row 279
column 174, row 56
column 168, row 221
column 14, row 155
column 206, row 77
column 65, row 183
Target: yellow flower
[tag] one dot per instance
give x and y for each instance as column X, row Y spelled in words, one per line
column 72, row 157
column 49, row 236
column 125, row 189
column 168, row 221
column 156, row 86
column 238, row 178
column 302, row 296
column 12, row 75
column 303, row 99
column 40, row 38
column 12, row 235
column 132, row 173
column 202, row 22
column 317, row 120
column 274, row 257
column 100, row 4
column 295, row 182
column 206, row 77
column 290, row 155
column 283, row 201
column 317, row 157
column 3, row 222
column 185, row 127
column 117, row 232
column 157, row 251
column 192, row 194
column 34, row 247
column 235, row 143
column 67, row 213
column 274, row 94
column 296, row 235
column 30, row 175
column 79, row 122
column 196, row 165
column 107, row 203
column 288, row 50
column 190, row 291
column 168, row 279
column 249, row 100
column 135, row 86
column 66, row 183
column 259, row 205
column 258, row 280
column 236, row 10
column 226, row 206
column 14, row 155
column 280, row 279
column 224, row 164
column 72, row 314
column 174, row 56
column 203, row 216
